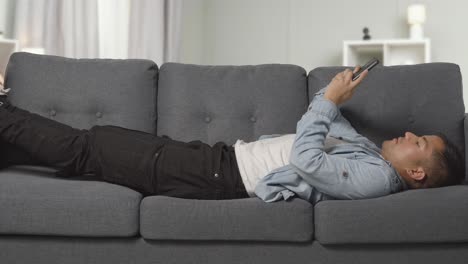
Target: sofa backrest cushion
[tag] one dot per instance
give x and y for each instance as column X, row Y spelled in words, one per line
column 85, row 92
column 226, row 103
column 423, row 99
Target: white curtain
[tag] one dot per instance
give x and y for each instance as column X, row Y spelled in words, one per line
column 155, row 30
column 147, row 29
column 113, row 28
column 62, row 27
column 173, row 30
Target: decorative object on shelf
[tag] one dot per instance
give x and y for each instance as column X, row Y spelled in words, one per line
column 366, row 34
column 416, row 19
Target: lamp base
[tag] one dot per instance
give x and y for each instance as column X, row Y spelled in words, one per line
column 416, row 31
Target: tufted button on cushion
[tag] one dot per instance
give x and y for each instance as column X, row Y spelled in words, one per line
column 253, row 119
column 98, row 114
column 411, row 119
column 52, row 112
column 207, row 119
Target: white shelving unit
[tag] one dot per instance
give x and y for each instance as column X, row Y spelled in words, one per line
column 388, row 51
column 7, row 47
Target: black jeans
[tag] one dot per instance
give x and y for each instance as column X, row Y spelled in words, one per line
column 142, row 161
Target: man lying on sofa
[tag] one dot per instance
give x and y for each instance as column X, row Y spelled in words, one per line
column 325, row 159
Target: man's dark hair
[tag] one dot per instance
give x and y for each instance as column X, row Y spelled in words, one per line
column 447, row 167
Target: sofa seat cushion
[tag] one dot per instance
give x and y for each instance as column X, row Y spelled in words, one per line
column 34, row 202
column 251, row 219
column 413, row 216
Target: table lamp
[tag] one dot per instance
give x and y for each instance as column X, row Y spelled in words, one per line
column 416, row 19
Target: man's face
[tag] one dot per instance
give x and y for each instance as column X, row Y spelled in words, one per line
column 410, row 151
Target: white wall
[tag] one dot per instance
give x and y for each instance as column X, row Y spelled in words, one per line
column 193, row 34
column 310, row 33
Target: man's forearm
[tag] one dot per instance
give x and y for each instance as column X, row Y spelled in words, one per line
column 311, row 132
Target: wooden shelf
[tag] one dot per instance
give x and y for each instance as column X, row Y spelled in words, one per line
column 388, row 51
column 7, row 47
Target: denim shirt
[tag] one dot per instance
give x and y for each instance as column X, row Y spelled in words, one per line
column 354, row 170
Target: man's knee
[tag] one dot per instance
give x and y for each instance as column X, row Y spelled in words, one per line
column 95, row 129
column 98, row 133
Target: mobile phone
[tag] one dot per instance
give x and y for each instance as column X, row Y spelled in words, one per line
column 369, row 65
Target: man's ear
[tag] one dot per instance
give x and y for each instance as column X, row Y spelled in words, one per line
column 416, row 173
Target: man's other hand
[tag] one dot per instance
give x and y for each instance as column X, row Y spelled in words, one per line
column 342, row 86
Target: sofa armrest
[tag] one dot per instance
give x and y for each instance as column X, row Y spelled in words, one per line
column 466, row 148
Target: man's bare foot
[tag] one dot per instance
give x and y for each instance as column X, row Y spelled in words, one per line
column 3, row 91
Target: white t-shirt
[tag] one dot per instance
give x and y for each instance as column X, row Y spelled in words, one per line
column 256, row 159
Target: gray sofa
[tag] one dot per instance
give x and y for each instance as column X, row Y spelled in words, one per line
column 45, row 219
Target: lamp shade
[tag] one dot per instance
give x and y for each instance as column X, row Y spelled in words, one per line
column 416, row 14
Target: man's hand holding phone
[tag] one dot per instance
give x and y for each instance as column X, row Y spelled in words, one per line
column 342, row 86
